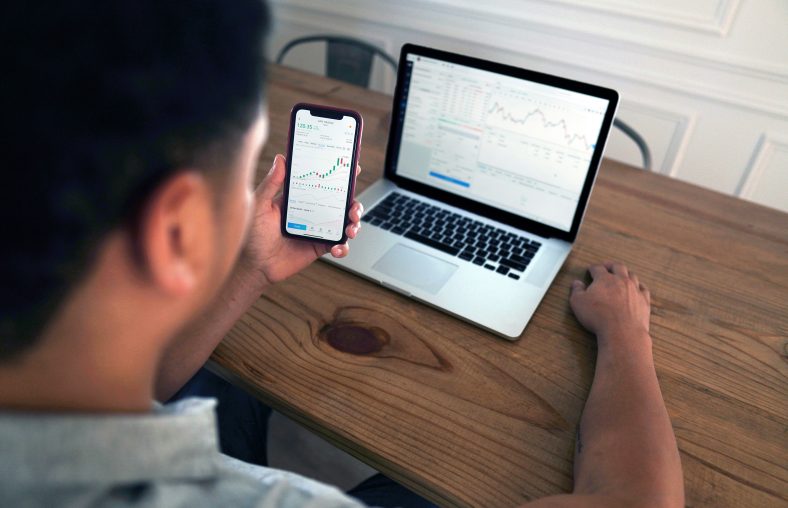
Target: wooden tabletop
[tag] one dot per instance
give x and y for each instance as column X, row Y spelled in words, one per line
column 469, row 419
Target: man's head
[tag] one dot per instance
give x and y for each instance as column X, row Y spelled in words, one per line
column 130, row 135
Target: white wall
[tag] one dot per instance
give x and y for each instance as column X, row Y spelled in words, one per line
column 704, row 81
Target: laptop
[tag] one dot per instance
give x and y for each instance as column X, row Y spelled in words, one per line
column 488, row 172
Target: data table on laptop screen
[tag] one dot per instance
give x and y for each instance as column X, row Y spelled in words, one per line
column 517, row 145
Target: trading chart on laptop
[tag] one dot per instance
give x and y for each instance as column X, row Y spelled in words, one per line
column 514, row 144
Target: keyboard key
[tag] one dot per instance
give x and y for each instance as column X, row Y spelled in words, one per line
column 376, row 222
column 514, row 276
column 467, row 256
column 478, row 260
column 489, row 267
column 449, row 249
column 493, row 257
column 503, row 270
column 512, row 264
column 398, row 230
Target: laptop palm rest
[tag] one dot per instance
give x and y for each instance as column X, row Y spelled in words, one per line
column 542, row 273
column 415, row 268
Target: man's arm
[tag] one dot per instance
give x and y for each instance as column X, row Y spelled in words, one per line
column 626, row 453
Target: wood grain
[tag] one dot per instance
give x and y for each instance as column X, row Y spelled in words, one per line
column 468, row 419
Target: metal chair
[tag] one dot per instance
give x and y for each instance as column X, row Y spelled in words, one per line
column 350, row 60
column 645, row 153
column 347, row 59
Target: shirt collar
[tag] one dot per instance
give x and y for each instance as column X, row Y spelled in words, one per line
column 176, row 441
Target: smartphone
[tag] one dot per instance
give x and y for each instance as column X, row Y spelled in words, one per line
column 322, row 154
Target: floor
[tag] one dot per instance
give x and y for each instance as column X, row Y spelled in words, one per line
column 294, row 448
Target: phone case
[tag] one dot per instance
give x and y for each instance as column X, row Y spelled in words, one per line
column 353, row 162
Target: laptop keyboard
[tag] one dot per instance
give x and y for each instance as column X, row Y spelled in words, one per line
column 475, row 242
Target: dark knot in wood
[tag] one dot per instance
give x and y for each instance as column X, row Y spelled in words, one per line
column 355, row 339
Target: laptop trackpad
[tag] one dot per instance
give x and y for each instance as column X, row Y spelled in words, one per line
column 415, row 268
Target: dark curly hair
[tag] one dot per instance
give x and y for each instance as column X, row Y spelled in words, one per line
column 100, row 101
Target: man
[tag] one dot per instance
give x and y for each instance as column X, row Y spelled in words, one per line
column 134, row 242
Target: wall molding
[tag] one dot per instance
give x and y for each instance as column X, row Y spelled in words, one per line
column 589, row 33
column 683, row 125
column 294, row 11
column 556, row 25
column 766, row 146
column 717, row 22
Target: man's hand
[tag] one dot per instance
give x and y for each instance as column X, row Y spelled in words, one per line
column 272, row 255
column 614, row 304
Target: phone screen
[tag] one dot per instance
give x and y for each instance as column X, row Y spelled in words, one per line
column 320, row 168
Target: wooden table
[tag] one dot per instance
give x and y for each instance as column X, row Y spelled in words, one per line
column 466, row 418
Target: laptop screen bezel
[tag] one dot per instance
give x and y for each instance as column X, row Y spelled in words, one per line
column 514, row 220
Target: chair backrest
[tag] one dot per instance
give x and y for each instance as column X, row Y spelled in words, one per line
column 645, row 153
column 347, row 59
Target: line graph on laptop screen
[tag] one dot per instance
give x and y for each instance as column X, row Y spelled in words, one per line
column 514, row 144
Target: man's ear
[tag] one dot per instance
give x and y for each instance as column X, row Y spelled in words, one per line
column 176, row 234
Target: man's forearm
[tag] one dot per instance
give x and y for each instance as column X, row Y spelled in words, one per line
column 625, row 444
column 194, row 344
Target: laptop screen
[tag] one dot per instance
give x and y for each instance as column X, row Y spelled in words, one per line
column 514, row 144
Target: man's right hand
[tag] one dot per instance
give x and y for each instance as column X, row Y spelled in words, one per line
column 614, row 304
column 270, row 257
